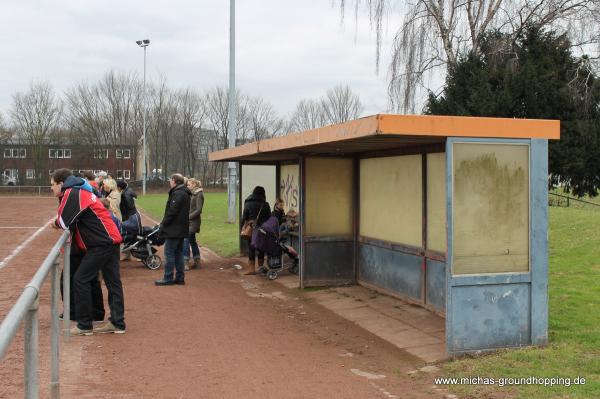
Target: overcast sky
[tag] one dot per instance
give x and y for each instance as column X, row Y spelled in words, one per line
column 286, row 49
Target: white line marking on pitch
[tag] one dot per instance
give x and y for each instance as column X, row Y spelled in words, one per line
column 23, row 244
column 21, row 227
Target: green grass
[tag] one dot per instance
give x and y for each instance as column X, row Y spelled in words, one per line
column 215, row 232
column 574, row 320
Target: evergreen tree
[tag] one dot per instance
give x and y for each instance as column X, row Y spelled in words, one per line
column 535, row 77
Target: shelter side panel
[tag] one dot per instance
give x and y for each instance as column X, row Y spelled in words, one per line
column 436, row 202
column 436, row 285
column 328, row 263
column 490, row 317
column 490, row 208
column 328, row 206
column 391, row 199
column 391, row 270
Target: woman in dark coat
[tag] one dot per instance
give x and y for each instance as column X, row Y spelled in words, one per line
column 256, row 208
column 196, row 205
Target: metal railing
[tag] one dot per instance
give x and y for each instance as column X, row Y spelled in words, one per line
column 26, row 308
column 566, row 201
column 26, row 190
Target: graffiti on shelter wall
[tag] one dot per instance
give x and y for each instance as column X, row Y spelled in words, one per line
column 288, row 189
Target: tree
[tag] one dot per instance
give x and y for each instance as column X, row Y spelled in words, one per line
column 435, row 34
column 262, row 119
column 307, row 115
column 4, row 132
column 340, row 105
column 37, row 115
column 537, row 77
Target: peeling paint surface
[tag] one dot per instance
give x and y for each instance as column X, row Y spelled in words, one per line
column 392, row 270
column 491, row 316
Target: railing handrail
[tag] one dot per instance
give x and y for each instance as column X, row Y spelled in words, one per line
column 574, row 199
column 13, row 319
column 17, row 186
column 26, row 308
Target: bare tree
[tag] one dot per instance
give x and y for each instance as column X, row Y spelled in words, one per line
column 36, row 115
column 340, row 105
column 436, row 33
column 262, row 119
column 191, row 117
column 5, row 133
column 307, row 115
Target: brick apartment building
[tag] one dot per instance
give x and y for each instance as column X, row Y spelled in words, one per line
column 25, row 164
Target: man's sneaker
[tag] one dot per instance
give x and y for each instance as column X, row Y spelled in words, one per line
column 108, row 327
column 164, row 282
column 77, row 331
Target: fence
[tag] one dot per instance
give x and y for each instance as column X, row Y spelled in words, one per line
column 566, row 201
column 40, row 191
column 26, row 308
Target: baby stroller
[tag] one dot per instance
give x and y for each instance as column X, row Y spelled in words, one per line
column 266, row 238
column 141, row 241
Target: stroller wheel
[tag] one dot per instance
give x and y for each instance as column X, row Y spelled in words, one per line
column 153, row 262
column 271, row 274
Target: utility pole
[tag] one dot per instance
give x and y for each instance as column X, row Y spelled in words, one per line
column 231, row 118
column 144, row 43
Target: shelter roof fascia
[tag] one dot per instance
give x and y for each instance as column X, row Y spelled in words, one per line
column 399, row 125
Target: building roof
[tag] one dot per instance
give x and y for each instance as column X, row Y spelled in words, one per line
column 386, row 131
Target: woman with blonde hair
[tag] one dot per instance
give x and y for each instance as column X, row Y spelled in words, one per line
column 113, row 195
column 196, row 204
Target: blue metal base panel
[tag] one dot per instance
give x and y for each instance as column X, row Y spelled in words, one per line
column 328, row 263
column 391, row 270
column 489, row 317
column 436, row 285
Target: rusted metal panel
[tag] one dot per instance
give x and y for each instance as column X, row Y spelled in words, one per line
column 328, row 263
column 391, row 270
column 490, row 316
column 436, row 285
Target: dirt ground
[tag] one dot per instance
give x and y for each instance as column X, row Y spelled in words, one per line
column 222, row 335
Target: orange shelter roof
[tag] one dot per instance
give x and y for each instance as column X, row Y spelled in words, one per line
column 386, row 131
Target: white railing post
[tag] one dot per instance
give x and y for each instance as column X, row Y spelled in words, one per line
column 31, row 350
column 54, row 333
column 67, row 289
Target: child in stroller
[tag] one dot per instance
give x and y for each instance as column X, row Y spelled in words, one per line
column 271, row 239
column 141, row 241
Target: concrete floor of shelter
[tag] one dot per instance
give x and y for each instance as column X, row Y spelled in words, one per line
column 412, row 328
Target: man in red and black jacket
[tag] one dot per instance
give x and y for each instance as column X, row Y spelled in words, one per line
column 95, row 234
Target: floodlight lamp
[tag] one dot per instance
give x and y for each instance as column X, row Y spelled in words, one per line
column 139, row 42
column 146, row 41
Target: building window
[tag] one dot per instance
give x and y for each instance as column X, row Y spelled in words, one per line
column 11, row 174
column 119, row 174
column 126, row 174
column 15, row 153
column 101, row 154
column 30, row 174
column 123, row 153
column 59, row 153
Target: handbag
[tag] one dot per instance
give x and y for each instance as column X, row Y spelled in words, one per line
column 248, row 227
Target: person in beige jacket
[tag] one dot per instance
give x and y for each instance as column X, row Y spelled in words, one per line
column 196, row 204
column 114, row 196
